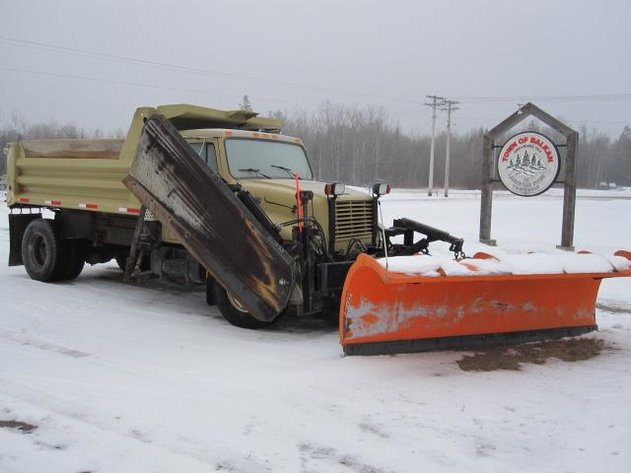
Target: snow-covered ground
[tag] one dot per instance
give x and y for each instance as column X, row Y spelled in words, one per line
column 108, row 377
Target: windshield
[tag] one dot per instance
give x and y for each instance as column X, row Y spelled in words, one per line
column 256, row 159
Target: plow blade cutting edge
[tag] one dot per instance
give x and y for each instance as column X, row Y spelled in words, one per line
column 385, row 312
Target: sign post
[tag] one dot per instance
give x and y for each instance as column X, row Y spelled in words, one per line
column 528, row 164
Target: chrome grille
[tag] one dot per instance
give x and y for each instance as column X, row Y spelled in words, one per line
column 353, row 219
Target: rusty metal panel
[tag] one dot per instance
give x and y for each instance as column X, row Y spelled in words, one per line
column 176, row 185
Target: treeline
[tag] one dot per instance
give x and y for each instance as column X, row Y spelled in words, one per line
column 359, row 145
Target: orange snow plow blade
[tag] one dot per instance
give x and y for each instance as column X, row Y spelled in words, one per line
column 385, row 311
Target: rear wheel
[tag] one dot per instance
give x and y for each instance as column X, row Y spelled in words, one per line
column 234, row 312
column 74, row 261
column 43, row 251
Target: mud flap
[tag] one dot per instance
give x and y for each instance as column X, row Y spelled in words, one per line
column 177, row 186
column 17, row 226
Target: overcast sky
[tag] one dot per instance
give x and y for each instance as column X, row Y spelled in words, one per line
column 93, row 62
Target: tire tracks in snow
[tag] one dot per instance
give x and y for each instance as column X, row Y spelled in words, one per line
column 63, row 414
column 41, row 344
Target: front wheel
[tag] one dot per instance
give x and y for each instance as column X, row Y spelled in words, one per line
column 331, row 312
column 234, row 312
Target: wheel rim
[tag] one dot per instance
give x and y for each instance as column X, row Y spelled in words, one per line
column 37, row 250
column 236, row 304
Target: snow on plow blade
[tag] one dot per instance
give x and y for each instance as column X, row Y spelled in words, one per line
column 476, row 301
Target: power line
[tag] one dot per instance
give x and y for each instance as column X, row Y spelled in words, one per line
column 478, row 100
column 618, row 97
column 127, row 83
column 182, row 68
column 569, row 119
column 96, row 79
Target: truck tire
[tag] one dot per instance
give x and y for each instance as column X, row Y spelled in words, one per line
column 210, row 290
column 331, row 312
column 74, row 261
column 43, row 252
column 235, row 313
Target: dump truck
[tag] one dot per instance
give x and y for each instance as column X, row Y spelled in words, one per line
column 223, row 199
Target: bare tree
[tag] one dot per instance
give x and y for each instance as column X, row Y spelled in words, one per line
column 245, row 104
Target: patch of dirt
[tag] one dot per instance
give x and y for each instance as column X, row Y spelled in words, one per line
column 24, row 427
column 512, row 357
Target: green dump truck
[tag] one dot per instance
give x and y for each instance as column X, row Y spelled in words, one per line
column 196, row 195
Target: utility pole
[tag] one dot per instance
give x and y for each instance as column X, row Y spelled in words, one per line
column 433, row 101
column 450, row 108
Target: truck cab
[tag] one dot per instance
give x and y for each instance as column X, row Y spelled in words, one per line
column 272, row 167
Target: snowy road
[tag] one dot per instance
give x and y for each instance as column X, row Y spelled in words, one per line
column 108, row 377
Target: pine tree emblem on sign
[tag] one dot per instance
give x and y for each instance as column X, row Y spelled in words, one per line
column 528, row 164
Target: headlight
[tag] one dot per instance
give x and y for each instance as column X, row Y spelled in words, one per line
column 334, row 189
column 381, row 188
